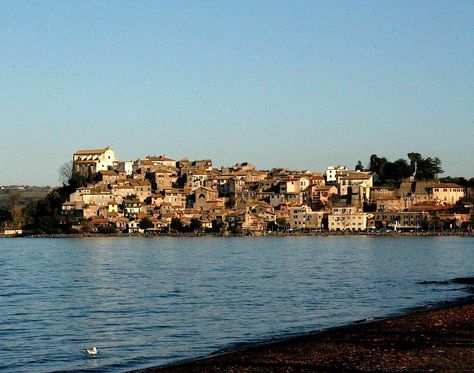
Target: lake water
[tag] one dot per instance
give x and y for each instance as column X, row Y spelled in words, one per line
column 146, row 302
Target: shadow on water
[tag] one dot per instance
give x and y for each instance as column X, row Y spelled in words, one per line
column 467, row 284
column 454, row 281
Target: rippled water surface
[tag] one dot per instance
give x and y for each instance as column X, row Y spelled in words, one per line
column 147, row 302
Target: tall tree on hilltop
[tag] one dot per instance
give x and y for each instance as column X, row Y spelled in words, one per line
column 396, row 171
column 428, row 169
column 359, row 166
column 422, row 168
column 376, row 165
column 414, row 159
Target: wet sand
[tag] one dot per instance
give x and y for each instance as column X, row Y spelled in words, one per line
column 431, row 340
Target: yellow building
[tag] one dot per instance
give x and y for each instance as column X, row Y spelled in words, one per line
column 445, row 193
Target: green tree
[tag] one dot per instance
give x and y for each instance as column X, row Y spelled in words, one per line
column 414, row 159
column 359, row 166
column 5, row 216
column 376, row 165
column 176, row 225
column 45, row 214
column 195, row 225
column 428, row 168
column 145, row 224
column 462, row 181
column 86, row 226
column 15, row 208
column 397, row 170
column 437, row 167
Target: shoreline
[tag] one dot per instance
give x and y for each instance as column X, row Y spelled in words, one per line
column 263, row 235
column 430, row 338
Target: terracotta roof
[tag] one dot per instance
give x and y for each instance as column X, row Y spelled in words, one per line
column 93, row 151
column 445, row 185
column 85, row 162
column 159, row 158
column 108, row 172
column 429, row 207
column 357, row 176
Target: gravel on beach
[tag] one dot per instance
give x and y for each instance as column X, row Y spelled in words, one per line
column 432, row 340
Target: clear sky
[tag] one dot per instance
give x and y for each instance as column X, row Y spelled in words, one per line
column 299, row 84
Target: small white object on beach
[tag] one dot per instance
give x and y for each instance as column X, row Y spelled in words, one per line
column 91, row 351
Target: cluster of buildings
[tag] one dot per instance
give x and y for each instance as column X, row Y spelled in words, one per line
column 243, row 199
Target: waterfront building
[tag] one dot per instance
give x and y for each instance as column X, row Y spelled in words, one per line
column 347, row 218
column 407, row 220
column 352, row 222
column 303, row 218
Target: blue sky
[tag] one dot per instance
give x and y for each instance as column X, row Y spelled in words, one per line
column 294, row 84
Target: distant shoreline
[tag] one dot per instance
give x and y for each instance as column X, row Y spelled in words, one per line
column 264, row 235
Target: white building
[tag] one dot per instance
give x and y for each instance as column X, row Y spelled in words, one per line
column 348, row 181
column 346, row 218
column 331, row 173
column 125, row 166
column 92, row 161
column 197, row 179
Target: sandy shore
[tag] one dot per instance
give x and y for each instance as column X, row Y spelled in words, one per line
column 431, row 340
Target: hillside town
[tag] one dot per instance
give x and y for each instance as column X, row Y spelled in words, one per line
column 242, row 199
column 157, row 194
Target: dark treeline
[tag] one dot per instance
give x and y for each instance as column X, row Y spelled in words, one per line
column 415, row 165
column 394, row 172
column 44, row 216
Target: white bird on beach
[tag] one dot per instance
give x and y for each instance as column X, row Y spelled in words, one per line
column 91, row 351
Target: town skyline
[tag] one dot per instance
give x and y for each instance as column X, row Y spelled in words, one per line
column 279, row 84
column 350, row 164
column 103, row 194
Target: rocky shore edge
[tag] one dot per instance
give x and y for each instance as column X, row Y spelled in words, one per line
column 434, row 339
